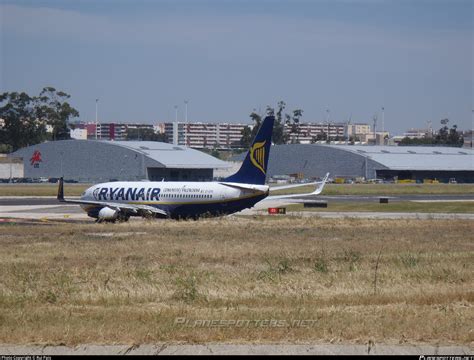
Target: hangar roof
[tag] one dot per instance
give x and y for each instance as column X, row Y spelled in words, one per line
column 170, row 155
column 415, row 157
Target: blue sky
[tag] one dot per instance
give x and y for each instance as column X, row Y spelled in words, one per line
column 141, row 58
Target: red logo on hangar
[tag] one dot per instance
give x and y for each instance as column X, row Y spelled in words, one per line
column 36, row 159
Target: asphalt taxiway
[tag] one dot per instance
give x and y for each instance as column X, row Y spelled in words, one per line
column 51, row 200
column 49, row 209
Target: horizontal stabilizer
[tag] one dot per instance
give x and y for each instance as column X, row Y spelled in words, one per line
column 317, row 191
column 245, row 186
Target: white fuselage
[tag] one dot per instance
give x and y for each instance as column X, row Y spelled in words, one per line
column 172, row 196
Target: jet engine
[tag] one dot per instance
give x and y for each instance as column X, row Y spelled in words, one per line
column 107, row 214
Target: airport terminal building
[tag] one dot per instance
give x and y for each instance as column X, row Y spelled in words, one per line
column 100, row 161
column 371, row 162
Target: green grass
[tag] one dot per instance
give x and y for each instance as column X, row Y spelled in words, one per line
column 330, row 189
column 399, row 206
column 41, row 189
column 386, row 189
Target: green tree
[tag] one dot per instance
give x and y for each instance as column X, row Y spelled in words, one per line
column 5, row 148
column 257, row 119
column 442, row 136
column 353, row 139
column 54, row 110
column 445, row 136
column 294, row 123
column 22, row 126
column 406, row 141
column 278, row 134
column 319, row 137
column 215, row 152
column 454, row 137
column 246, row 138
column 26, row 117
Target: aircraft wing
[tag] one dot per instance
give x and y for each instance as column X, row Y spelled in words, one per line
column 317, row 191
column 133, row 208
column 140, row 209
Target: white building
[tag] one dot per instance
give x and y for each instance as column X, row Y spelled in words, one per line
column 79, row 134
column 309, row 131
column 204, row 135
column 418, row 133
column 11, row 168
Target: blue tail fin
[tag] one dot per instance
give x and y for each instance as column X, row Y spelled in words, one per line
column 254, row 167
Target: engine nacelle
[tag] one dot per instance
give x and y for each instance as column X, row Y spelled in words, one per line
column 108, row 214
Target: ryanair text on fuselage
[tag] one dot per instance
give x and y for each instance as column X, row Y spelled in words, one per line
column 148, row 194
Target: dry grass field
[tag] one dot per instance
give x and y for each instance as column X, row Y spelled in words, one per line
column 288, row 280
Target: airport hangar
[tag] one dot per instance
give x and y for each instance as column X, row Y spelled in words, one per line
column 101, row 161
column 371, row 162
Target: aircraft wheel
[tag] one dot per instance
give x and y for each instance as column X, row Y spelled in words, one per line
column 123, row 218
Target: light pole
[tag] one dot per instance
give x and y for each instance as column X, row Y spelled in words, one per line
column 96, row 117
column 186, row 122
column 186, row 111
column 375, row 129
column 175, row 127
column 327, row 120
column 472, row 125
column 347, row 128
column 383, row 125
column 61, row 156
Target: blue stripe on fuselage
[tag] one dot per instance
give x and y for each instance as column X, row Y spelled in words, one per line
column 187, row 210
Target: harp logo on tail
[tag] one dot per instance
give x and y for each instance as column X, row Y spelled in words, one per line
column 257, row 155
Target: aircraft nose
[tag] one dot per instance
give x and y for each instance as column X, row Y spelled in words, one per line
column 88, row 193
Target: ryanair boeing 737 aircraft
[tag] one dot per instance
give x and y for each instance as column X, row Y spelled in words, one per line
column 119, row 200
